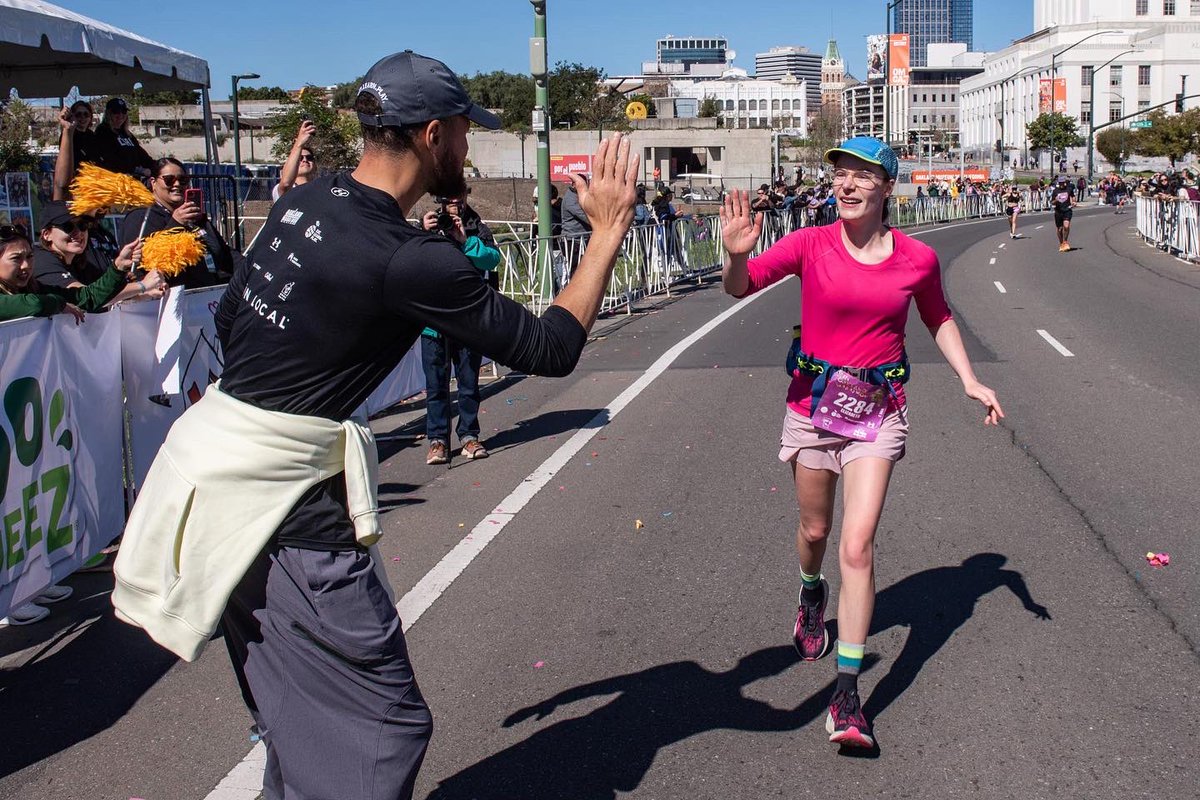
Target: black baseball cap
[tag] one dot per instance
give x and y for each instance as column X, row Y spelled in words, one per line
column 116, row 104
column 413, row 88
column 56, row 212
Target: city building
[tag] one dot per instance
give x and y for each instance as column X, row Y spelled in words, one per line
column 690, row 57
column 799, row 62
column 833, row 78
column 931, row 22
column 924, row 113
column 749, row 103
column 1114, row 58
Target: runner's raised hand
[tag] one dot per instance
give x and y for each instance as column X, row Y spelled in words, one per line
column 608, row 201
column 740, row 231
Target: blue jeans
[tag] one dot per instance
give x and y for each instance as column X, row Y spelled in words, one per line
column 436, row 356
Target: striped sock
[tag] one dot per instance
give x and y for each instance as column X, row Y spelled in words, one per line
column 810, row 589
column 849, row 663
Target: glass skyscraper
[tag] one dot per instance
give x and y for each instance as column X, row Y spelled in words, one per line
column 932, row 21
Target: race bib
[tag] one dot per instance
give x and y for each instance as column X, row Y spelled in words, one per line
column 851, row 408
column 1063, row 197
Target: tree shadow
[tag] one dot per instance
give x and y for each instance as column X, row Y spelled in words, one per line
column 933, row 604
column 67, row 693
column 609, row 750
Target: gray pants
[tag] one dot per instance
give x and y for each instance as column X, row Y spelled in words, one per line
column 321, row 659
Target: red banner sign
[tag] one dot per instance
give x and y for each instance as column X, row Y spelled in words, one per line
column 898, row 59
column 1060, row 95
column 1044, row 100
column 562, row 167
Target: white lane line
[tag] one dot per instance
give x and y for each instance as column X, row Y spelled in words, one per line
column 993, row 261
column 418, row 599
column 1055, row 343
column 1000, row 287
column 1039, row 227
column 1002, row 245
column 244, row 782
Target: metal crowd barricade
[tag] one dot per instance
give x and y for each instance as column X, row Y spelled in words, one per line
column 221, row 204
column 1170, row 224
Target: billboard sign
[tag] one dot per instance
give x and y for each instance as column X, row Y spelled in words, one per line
column 876, row 68
column 563, row 167
column 898, row 59
column 1044, row 101
column 1060, row 95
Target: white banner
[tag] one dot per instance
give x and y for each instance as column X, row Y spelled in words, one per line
column 61, row 498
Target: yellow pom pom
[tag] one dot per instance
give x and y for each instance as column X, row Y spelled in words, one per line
column 95, row 189
column 171, row 251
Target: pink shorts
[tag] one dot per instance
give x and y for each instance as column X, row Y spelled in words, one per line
column 818, row 449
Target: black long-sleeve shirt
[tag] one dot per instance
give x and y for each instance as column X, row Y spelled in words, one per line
column 196, row 275
column 335, row 292
column 117, row 151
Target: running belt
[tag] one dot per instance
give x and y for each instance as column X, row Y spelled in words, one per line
column 798, row 362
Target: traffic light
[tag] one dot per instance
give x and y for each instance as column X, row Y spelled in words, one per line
column 1179, row 102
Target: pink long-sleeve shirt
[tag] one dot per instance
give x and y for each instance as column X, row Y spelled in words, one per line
column 853, row 314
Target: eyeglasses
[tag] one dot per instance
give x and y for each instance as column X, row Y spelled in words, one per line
column 862, row 177
column 83, row 113
column 72, row 225
column 309, row 159
column 11, row 232
column 171, row 180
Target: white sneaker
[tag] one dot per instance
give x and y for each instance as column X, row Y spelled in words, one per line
column 54, row 594
column 26, row 615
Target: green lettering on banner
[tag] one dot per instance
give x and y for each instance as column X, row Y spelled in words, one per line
column 33, row 534
column 58, row 479
column 5, row 459
column 23, row 394
column 13, row 553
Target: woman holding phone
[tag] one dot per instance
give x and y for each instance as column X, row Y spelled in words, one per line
column 178, row 205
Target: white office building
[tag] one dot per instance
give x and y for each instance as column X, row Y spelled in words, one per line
column 1117, row 57
column 749, row 103
column 799, row 62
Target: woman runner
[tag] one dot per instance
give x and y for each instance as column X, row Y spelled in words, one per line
column 1012, row 206
column 857, row 279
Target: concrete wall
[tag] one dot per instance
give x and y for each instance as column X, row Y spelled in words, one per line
column 191, row 148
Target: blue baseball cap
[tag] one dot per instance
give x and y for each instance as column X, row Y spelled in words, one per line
column 413, row 88
column 870, row 150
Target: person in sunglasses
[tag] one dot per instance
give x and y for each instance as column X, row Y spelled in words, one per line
column 301, row 164
column 169, row 183
column 21, row 295
column 63, row 257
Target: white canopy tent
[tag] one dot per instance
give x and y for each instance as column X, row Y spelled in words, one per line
column 45, row 50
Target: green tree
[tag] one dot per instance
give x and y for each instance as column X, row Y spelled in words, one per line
column 183, row 97
column 1171, row 136
column 1058, row 128
column 344, row 94
column 337, row 143
column 264, row 93
column 710, row 107
column 510, row 94
column 824, row 132
column 16, row 130
column 1115, row 144
column 574, row 90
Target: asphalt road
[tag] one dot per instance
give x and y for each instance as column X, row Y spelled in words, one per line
column 582, row 656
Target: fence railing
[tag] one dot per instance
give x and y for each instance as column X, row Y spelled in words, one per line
column 1170, row 224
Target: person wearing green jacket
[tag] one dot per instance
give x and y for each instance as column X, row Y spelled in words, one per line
column 457, row 221
column 22, row 296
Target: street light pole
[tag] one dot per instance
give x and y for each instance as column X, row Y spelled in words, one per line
column 1092, row 110
column 887, row 68
column 541, row 127
column 237, row 141
column 1053, row 71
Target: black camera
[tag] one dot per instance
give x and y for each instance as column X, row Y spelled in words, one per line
column 445, row 220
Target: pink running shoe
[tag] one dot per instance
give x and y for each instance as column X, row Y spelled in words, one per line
column 809, row 635
column 846, row 723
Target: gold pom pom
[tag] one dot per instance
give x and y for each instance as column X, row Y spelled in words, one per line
column 95, row 189
column 171, row 251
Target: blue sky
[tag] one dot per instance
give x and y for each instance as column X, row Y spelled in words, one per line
column 303, row 41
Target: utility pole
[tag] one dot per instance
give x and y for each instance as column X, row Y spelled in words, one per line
column 541, row 127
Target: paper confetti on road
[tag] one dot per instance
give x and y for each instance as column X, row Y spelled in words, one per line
column 638, row 524
column 1158, row 559
column 539, row 664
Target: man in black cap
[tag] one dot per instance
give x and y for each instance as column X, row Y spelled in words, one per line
column 334, row 294
column 118, row 150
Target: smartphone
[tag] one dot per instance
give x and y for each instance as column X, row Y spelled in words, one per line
column 194, row 196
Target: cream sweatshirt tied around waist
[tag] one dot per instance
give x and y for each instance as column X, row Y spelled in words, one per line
column 217, row 491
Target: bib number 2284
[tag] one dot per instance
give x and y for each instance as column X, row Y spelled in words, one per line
column 852, row 408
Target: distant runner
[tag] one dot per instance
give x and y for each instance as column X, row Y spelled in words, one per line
column 1063, row 199
column 1012, row 206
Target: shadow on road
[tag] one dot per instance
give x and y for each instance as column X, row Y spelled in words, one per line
column 551, row 423
column 74, row 682
column 610, row 749
column 933, row 604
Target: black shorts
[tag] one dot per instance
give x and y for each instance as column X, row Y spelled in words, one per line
column 1062, row 216
column 1012, row 210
